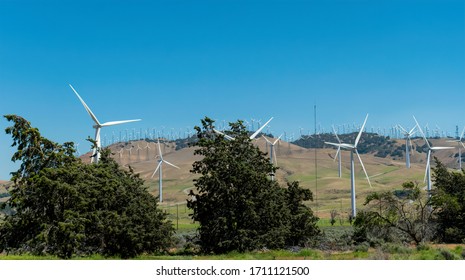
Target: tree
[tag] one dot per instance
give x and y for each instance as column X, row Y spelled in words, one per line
column 407, row 216
column 237, row 205
column 449, row 200
column 65, row 207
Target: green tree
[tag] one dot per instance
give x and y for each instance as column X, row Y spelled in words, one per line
column 237, row 205
column 449, row 199
column 64, row 207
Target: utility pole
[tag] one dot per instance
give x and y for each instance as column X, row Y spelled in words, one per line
column 316, row 164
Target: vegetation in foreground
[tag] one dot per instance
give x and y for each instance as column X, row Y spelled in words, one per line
column 62, row 207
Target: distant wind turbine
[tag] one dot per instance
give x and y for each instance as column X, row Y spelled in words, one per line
column 428, row 158
column 408, row 140
column 353, row 148
column 98, row 126
column 459, row 146
column 272, row 152
column 160, row 171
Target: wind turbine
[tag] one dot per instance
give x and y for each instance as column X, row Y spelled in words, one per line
column 98, row 126
column 353, row 148
column 251, row 136
column 408, row 140
column 147, row 147
column 160, row 171
column 338, row 154
column 272, row 152
column 459, row 145
column 138, row 152
column 428, row 157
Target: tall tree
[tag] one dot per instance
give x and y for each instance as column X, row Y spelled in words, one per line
column 237, row 205
column 449, row 199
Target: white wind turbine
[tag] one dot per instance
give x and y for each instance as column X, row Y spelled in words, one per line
column 459, row 145
column 353, row 148
column 251, row 136
column 147, row 147
column 98, row 126
column 408, row 139
column 272, row 152
column 160, row 171
column 428, row 157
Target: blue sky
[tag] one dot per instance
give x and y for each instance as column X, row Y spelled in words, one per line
column 173, row 62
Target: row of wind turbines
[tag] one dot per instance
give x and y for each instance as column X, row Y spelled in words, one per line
column 408, row 134
column 96, row 150
column 346, row 146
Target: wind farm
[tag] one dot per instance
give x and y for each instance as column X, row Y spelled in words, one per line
column 295, row 163
column 202, row 135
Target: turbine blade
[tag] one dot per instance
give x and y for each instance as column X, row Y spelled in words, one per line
column 224, row 135
column 363, row 166
column 89, row 111
column 337, row 137
column 421, row 131
column 169, row 163
column 360, row 133
column 260, row 129
column 118, row 122
column 337, row 152
column 156, row 169
column 333, row 144
column 276, row 141
column 159, row 150
column 462, row 144
column 412, row 130
column 401, row 128
column 441, row 148
column 268, row 141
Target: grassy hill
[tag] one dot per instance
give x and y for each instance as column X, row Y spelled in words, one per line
column 295, row 163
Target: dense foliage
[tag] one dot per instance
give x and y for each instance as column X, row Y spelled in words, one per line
column 237, row 205
column 449, row 199
column 65, row 207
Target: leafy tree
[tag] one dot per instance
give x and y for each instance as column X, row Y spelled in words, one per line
column 449, row 199
column 302, row 221
column 397, row 218
column 237, row 205
column 64, row 207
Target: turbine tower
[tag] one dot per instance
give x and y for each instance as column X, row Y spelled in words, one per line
column 272, row 152
column 459, row 146
column 408, row 135
column 160, row 171
column 353, row 148
column 428, row 158
column 98, row 126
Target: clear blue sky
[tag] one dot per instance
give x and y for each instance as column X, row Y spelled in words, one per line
column 173, row 62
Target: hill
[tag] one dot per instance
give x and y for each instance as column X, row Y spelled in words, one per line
column 295, row 163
